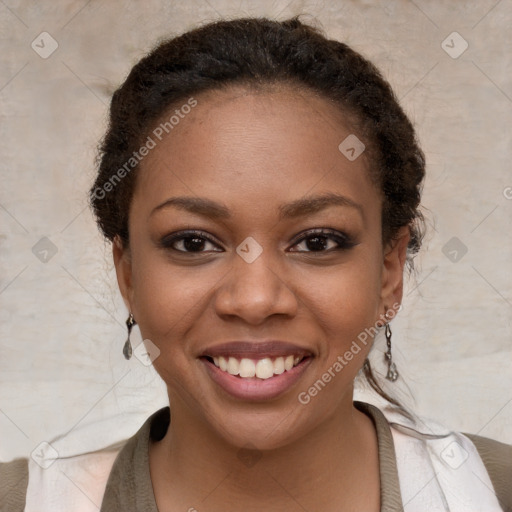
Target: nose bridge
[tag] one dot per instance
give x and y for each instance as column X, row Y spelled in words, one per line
column 254, row 288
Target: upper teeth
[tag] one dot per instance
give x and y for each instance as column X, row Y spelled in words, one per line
column 262, row 368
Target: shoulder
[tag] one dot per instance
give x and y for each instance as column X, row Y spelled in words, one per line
column 65, row 483
column 497, row 458
column 480, row 472
column 56, row 484
column 13, row 485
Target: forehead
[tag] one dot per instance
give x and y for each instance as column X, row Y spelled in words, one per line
column 245, row 146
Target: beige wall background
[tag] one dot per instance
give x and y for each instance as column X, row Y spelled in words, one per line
column 61, row 316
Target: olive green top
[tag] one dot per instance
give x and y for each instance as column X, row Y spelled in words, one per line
column 129, row 486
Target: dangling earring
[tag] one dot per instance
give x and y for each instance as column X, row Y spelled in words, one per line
column 127, row 349
column 392, row 374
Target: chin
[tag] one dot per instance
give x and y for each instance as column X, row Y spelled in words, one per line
column 263, row 428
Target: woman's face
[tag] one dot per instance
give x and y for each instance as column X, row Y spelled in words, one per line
column 251, row 290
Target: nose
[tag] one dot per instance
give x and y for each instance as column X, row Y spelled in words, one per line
column 255, row 291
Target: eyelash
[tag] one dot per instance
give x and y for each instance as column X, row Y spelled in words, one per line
column 343, row 240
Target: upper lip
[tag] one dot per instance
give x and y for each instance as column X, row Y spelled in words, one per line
column 255, row 349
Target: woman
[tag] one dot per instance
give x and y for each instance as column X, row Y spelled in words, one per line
column 260, row 186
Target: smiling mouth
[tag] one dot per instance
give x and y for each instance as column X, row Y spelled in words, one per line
column 263, row 368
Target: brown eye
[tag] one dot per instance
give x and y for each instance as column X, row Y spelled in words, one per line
column 325, row 240
column 187, row 242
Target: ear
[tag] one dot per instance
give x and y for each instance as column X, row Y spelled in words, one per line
column 393, row 264
column 123, row 265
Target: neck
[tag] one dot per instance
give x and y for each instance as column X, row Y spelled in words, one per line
column 333, row 467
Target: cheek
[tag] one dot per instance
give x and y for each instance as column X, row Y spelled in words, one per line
column 169, row 299
column 163, row 298
column 166, row 303
column 347, row 307
column 351, row 295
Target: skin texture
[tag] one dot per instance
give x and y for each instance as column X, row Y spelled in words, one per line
column 253, row 151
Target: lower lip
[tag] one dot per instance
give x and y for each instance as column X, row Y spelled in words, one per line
column 254, row 388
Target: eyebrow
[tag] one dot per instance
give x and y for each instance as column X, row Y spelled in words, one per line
column 297, row 208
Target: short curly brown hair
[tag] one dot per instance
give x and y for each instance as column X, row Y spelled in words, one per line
column 258, row 52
